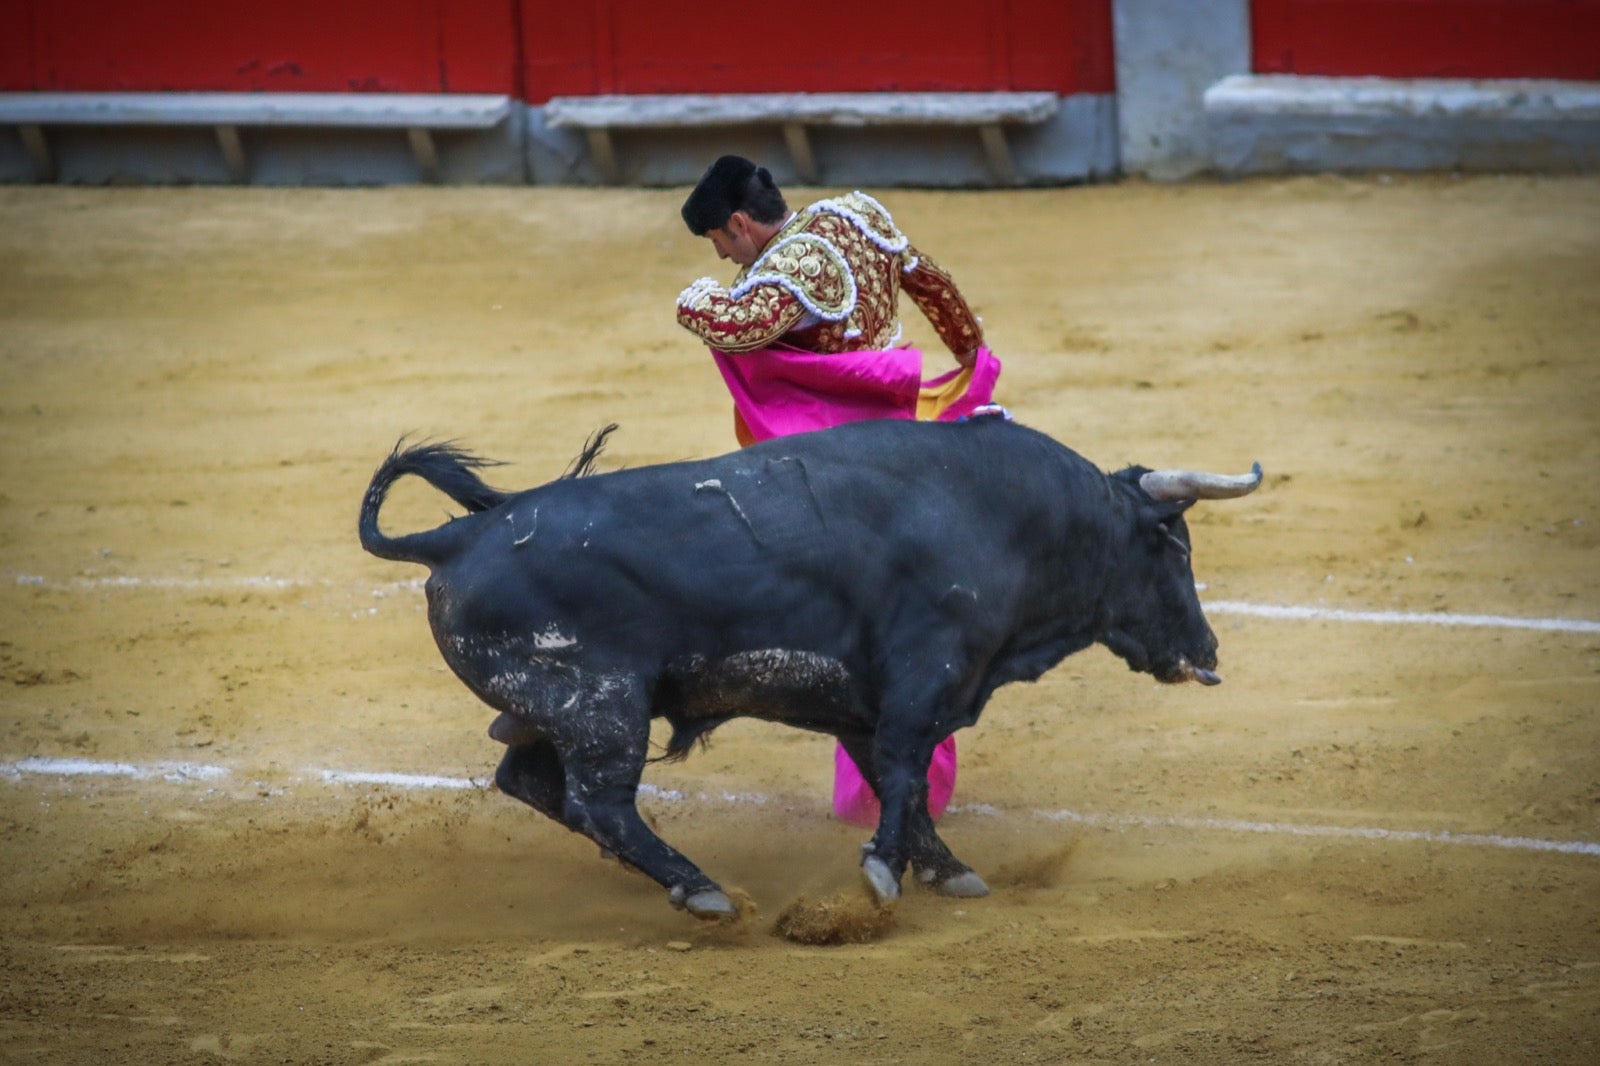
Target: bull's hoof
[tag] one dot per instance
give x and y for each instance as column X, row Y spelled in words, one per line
column 710, row 904
column 962, row 886
column 885, row 886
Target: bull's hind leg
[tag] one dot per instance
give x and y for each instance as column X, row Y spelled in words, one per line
column 531, row 772
column 932, row 862
column 581, row 767
column 603, row 748
column 608, row 815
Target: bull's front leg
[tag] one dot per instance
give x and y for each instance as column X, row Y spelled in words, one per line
column 932, row 861
column 930, row 691
column 896, row 757
column 903, row 740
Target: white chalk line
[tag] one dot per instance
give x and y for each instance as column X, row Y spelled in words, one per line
column 1349, row 832
column 94, row 583
column 166, row 771
column 419, row 781
column 191, row 772
column 1219, row 607
column 1405, row 618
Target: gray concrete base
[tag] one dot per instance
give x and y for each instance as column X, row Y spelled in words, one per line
column 1078, row 144
column 1168, row 53
column 177, row 155
column 1280, row 124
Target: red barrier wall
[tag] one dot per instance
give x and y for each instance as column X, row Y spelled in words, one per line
column 281, row 46
column 642, row 46
column 1429, row 38
column 540, row 48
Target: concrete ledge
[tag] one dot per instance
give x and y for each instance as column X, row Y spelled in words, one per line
column 1076, row 143
column 815, row 109
column 1280, row 123
column 43, row 123
column 796, row 113
column 437, row 111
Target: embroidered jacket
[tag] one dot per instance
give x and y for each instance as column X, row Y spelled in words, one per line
column 829, row 281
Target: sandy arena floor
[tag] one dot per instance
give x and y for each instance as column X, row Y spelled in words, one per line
column 1378, row 841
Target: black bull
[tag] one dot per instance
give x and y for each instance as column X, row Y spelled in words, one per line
column 875, row 582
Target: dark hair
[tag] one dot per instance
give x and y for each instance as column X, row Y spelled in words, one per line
column 731, row 184
column 761, row 200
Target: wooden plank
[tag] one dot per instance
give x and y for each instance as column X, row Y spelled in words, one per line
column 349, row 110
column 812, row 109
column 1431, row 98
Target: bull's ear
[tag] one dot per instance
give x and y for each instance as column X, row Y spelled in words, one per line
column 1172, row 539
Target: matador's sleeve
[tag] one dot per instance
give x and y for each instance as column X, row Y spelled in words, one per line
column 938, row 298
column 756, row 317
column 802, row 276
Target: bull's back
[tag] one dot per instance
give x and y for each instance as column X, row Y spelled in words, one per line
column 795, row 542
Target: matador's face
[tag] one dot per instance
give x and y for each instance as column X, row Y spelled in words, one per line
column 737, row 240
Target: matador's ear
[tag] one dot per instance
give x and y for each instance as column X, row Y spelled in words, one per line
column 719, row 193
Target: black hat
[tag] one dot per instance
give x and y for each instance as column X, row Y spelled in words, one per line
column 720, row 193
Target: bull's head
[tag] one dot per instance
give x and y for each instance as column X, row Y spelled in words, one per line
column 1151, row 617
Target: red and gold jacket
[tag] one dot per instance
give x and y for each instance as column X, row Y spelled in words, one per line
column 829, row 281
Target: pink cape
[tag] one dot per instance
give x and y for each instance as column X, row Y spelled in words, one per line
column 853, row 798
column 779, row 391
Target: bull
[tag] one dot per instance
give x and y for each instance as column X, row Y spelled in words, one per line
column 876, row 582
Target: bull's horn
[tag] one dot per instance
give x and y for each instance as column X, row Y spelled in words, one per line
column 1193, row 485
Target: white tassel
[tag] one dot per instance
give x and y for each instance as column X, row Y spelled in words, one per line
column 892, row 245
column 784, row 281
column 697, row 288
column 753, row 279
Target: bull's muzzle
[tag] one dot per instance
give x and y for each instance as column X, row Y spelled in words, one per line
column 1190, row 672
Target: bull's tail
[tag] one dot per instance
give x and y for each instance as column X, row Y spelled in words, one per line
column 453, row 472
column 447, row 468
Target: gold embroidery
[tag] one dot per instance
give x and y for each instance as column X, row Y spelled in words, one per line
column 839, row 266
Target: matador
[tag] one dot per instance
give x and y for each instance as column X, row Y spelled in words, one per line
column 808, row 335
